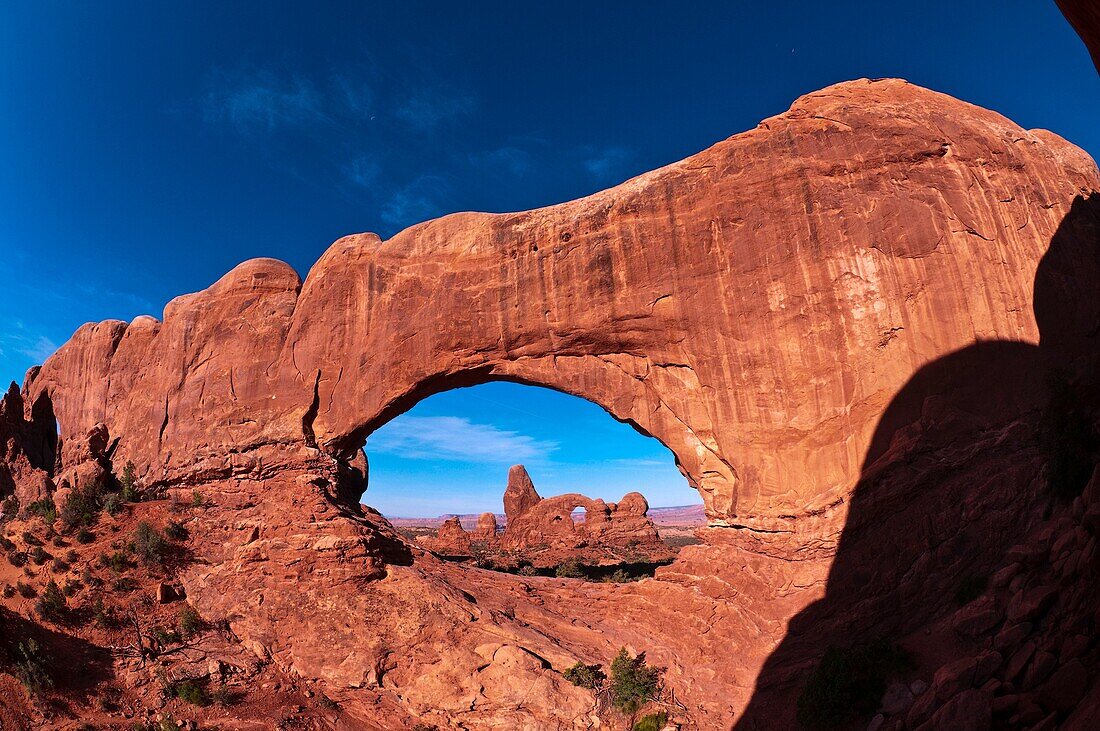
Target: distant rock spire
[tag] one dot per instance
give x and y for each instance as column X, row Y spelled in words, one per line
column 520, row 495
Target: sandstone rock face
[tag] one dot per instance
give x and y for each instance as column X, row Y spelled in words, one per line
column 27, row 450
column 835, row 322
column 520, row 495
column 1084, row 15
column 451, row 539
column 543, row 530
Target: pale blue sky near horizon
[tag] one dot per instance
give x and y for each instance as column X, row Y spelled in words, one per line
column 147, row 148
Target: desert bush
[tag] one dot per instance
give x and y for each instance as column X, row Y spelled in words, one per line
column 32, row 668
column 192, row 692
column 103, row 615
column 128, row 484
column 652, row 722
column 164, row 637
column 44, row 509
column 9, row 591
column 84, row 536
column 10, row 506
column 6, row 543
column 175, row 531
column 585, row 676
column 619, row 577
column 848, row 683
column 81, row 508
column 528, row 570
column 149, row 545
column 72, row 586
column 31, row 539
column 25, row 590
column 196, row 499
column 39, row 556
column 52, row 605
column 633, row 682
column 123, row 584
column 190, row 621
column 112, row 504
column 117, row 561
column 59, row 565
column 18, row 559
column 222, row 696
column 58, row 541
column 569, row 569
column 327, row 703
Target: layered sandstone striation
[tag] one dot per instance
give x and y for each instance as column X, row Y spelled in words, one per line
column 835, row 321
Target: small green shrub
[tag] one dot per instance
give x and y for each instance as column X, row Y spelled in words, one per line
column 848, row 683
column 9, row 591
column 149, row 545
column 528, row 570
column 44, row 509
column 31, row 539
column 58, row 541
column 196, row 499
column 633, row 682
column 117, row 561
column 32, row 668
column 128, row 484
column 59, row 566
column 569, row 569
column 10, row 506
column 619, row 577
column 191, row 692
column 164, row 637
column 81, row 508
column 39, row 556
column 652, row 722
column 85, row 536
column 18, row 559
column 585, row 676
column 25, row 590
column 112, row 504
column 190, row 621
column 222, row 695
column 175, row 531
column 52, row 605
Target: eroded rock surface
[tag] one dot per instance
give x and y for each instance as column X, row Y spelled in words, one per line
column 835, row 321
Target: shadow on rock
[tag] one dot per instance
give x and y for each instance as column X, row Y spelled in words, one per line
column 966, row 459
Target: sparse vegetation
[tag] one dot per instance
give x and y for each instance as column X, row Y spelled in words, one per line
column 633, row 682
column 39, row 556
column 175, row 531
column 222, row 695
column 128, row 484
column 190, row 691
column 44, row 509
column 25, row 590
column 18, row 559
column 848, row 683
column 652, row 722
column 85, row 536
column 52, row 605
column 112, row 504
column 9, row 591
column 591, row 677
column 32, row 668
column 149, row 545
column 190, row 621
column 10, row 506
column 196, row 499
column 528, row 570
column 569, row 569
column 81, row 508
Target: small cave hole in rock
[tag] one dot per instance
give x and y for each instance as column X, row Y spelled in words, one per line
column 533, row 481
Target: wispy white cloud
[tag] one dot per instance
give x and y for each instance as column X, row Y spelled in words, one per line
column 509, row 159
column 605, row 164
column 427, row 108
column 363, row 171
column 28, row 344
column 423, row 198
column 263, row 102
column 457, row 439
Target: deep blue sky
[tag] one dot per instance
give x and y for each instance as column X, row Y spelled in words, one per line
column 146, row 148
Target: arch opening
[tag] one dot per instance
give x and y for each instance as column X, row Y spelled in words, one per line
column 592, row 490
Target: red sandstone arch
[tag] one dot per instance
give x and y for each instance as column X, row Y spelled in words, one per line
column 756, row 307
